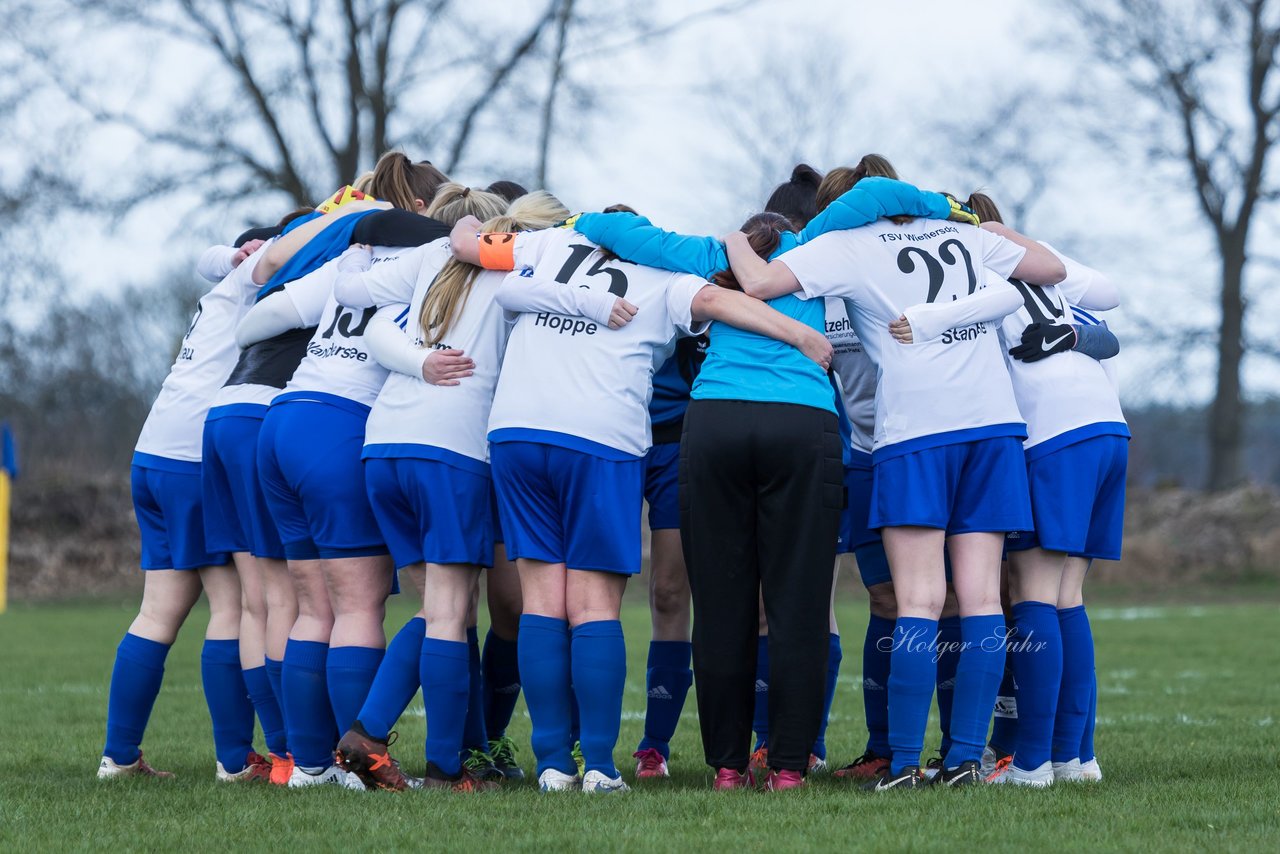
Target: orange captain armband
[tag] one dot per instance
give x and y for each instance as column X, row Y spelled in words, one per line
column 498, row 251
column 344, row 195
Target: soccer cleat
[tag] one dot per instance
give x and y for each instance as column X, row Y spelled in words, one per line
column 910, row 778
column 817, row 765
column 281, row 769
column 578, row 759
column 256, row 768
column 465, row 783
column 650, row 764
column 998, row 767
column 109, row 770
column 1036, row 778
column 503, row 751
column 552, row 780
column 758, row 766
column 778, row 781
column 1066, row 772
column 597, row 782
column 931, row 768
column 369, row 759
column 1090, row 771
column 727, row 779
column 333, row 775
column 481, row 766
column 991, row 756
column 968, row 774
column 868, row 766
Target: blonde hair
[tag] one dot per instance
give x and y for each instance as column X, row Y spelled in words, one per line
column 364, row 182
column 448, row 294
column 454, row 201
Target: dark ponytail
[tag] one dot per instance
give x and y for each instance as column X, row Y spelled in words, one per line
column 764, row 233
column 797, row 198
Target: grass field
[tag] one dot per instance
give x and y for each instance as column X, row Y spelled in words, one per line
column 1187, row 736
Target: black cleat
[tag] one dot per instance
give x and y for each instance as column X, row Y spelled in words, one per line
column 910, row 778
column 968, row 774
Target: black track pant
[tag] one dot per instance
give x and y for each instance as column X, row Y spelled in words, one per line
column 761, row 488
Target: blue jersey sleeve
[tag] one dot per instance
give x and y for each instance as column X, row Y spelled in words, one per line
column 633, row 238
column 873, row 198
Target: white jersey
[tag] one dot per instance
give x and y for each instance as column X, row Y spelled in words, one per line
column 308, row 294
column 857, row 374
column 579, row 379
column 338, row 361
column 1066, row 391
column 173, row 428
column 925, row 392
column 412, row 416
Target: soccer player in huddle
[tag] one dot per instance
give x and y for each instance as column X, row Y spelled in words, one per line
column 947, row 469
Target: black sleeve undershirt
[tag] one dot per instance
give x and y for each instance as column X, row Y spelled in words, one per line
column 398, row 228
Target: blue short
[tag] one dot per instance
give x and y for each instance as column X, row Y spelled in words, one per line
column 854, row 533
column 167, row 503
column 564, row 506
column 430, row 511
column 313, row 478
column 236, row 517
column 873, row 564
column 1077, row 499
column 963, row 488
column 662, row 485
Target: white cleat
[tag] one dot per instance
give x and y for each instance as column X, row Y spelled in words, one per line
column 256, row 768
column 1090, row 772
column 598, row 782
column 109, row 770
column 331, row 776
column 1067, row 772
column 1037, row 778
column 988, row 765
column 552, row 780
column 817, row 765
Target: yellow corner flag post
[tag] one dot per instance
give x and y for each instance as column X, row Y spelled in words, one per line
column 8, row 471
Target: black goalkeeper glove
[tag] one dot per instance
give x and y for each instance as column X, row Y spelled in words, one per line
column 1041, row 340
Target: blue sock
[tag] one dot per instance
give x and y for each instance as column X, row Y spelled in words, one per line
column 978, row 677
column 912, row 673
column 667, row 680
column 1086, row 740
column 230, row 708
column 548, row 690
column 875, row 683
column 445, row 674
column 308, row 715
column 475, row 737
column 396, row 681
column 1037, row 661
column 268, row 708
column 275, row 671
column 1004, row 726
column 135, row 683
column 834, row 656
column 500, row 672
column 351, row 671
column 599, row 662
column 1076, row 693
column 948, row 659
column 760, row 718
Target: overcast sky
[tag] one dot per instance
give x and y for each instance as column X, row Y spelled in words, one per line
column 879, row 76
